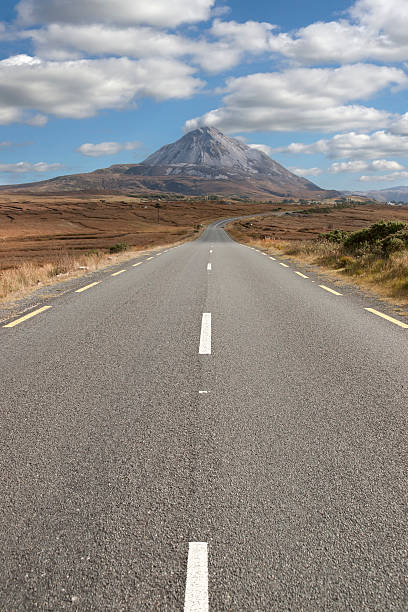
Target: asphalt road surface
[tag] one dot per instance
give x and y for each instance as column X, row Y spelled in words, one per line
column 182, row 436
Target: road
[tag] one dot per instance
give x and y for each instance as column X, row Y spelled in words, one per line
column 186, row 437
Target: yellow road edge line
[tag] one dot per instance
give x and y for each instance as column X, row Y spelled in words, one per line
column 120, row 272
column 300, row 274
column 28, row 316
column 137, row 264
column 384, row 316
column 283, row 264
column 87, row 287
column 149, row 258
column 330, row 290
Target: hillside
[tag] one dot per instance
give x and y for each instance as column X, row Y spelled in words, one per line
column 204, row 161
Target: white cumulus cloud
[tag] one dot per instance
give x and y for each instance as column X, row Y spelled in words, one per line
column 261, row 147
column 394, row 176
column 318, row 99
column 27, row 167
column 80, row 88
column 106, row 148
column 306, row 171
column 353, row 145
column 377, row 165
column 160, row 13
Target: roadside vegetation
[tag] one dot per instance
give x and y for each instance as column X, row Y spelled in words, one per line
column 375, row 257
column 16, row 282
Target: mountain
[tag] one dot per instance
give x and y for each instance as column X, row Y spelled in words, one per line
column 396, row 194
column 204, row 161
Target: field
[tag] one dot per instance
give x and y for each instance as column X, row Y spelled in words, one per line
column 376, row 259
column 40, row 228
column 49, row 238
column 308, row 226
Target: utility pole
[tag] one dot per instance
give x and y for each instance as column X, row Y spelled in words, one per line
column 158, row 206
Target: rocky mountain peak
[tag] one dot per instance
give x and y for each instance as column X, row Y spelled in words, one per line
column 208, row 146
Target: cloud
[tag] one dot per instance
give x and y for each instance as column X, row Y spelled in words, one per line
column 394, row 176
column 66, row 41
column 352, row 145
column 106, row 148
column 81, row 88
column 390, row 17
column 361, row 166
column 161, row 13
column 27, row 167
column 375, row 30
column 306, row 171
column 261, row 147
column 314, row 99
column 249, row 36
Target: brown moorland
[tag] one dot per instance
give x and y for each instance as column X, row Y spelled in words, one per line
column 40, row 228
column 307, row 226
column 44, row 239
column 370, row 266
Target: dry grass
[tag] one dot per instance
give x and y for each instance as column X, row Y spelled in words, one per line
column 22, row 280
column 47, row 239
column 386, row 277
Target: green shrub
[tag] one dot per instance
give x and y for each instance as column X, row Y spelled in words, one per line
column 336, row 235
column 371, row 235
column 391, row 244
column 395, row 242
column 119, row 247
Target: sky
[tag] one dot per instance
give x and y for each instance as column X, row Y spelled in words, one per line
column 320, row 86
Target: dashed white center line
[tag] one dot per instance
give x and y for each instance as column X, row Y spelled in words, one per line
column 384, row 316
column 300, row 274
column 283, row 264
column 117, row 273
column 27, row 316
column 205, row 337
column 196, row 597
column 330, row 290
column 87, row 287
column 209, row 267
column 210, row 250
column 273, row 259
column 149, row 258
column 139, row 263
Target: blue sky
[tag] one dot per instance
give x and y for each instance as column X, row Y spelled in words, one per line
column 320, row 86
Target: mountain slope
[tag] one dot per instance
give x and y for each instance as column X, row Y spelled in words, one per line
column 204, row 161
column 396, row 194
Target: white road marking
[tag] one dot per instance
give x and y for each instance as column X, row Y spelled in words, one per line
column 283, row 264
column 300, row 274
column 203, row 391
column 273, row 259
column 27, row 316
column 139, row 263
column 196, row 597
column 117, row 273
column 205, row 337
column 210, row 250
column 384, row 316
column 330, row 290
column 209, row 267
column 87, row 287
